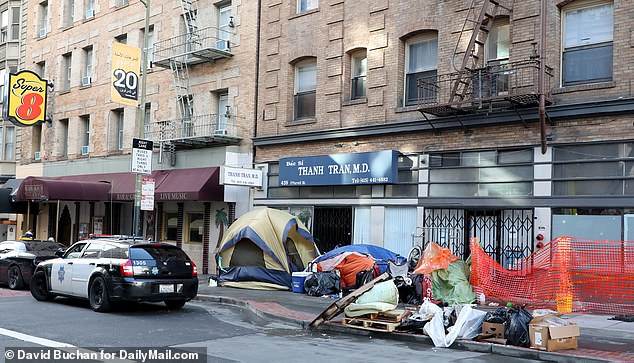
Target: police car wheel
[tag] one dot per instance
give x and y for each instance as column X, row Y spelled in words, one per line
column 175, row 304
column 39, row 288
column 15, row 278
column 98, row 295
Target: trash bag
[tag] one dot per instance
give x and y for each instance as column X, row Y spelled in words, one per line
column 323, row 283
column 468, row 325
column 452, row 286
column 434, row 258
column 381, row 297
column 363, row 277
column 498, row 316
column 517, row 327
column 412, row 325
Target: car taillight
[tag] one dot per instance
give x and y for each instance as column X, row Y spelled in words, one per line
column 194, row 269
column 126, row 269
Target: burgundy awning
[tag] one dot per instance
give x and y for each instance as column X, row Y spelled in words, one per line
column 36, row 188
column 195, row 184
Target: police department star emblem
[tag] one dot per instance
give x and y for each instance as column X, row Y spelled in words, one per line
column 60, row 274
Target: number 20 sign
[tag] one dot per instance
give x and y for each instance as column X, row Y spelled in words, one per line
column 26, row 101
column 126, row 63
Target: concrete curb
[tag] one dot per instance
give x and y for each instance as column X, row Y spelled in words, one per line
column 468, row 345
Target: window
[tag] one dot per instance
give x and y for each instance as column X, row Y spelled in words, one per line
column 224, row 25
column 150, row 45
column 3, row 73
column 9, row 143
column 15, row 23
column 40, row 69
column 497, row 58
column 358, row 70
column 63, row 127
column 305, row 89
column 4, row 19
column 587, row 48
column 223, row 112
column 306, row 5
column 88, row 63
column 69, row 10
column 147, row 119
column 123, row 39
column 421, row 59
column 92, row 251
column 85, row 133
column 43, row 18
column 170, row 226
column 89, row 6
column 119, row 119
column 195, row 227
column 67, row 60
column 36, row 138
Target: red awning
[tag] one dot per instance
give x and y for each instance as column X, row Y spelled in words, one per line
column 36, row 188
column 195, row 184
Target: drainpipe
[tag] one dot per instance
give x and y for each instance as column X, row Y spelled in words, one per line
column 257, row 76
column 542, row 76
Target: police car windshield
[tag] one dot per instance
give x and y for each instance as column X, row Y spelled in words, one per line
column 156, row 253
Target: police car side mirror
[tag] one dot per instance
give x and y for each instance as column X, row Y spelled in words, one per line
column 60, row 252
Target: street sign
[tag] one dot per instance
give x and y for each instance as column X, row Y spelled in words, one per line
column 147, row 193
column 142, row 156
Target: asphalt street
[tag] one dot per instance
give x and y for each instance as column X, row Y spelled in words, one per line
column 229, row 334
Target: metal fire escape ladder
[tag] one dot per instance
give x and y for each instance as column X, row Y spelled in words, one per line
column 478, row 25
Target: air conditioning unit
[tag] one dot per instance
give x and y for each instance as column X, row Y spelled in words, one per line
column 123, row 2
column 85, row 81
column 222, row 45
column 90, row 13
column 38, row 155
column 84, row 150
column 42, row 32
column 220, row 132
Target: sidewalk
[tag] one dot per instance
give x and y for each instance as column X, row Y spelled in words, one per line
column 601, row 340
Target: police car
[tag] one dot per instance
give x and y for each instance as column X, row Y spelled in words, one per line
column 104, row 271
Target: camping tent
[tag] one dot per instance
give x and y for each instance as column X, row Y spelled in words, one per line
column 262, row 248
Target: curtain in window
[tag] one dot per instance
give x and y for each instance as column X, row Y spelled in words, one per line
column 306, row 78
column 362, row 225
column 423, row 56
column 400, row 223
column 589, row 26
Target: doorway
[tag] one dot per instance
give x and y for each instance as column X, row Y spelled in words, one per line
column 332, row 227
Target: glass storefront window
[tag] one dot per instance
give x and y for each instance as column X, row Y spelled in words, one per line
column 170, row 226
column 195, row 224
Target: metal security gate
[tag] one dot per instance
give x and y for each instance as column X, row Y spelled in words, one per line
column 505, row 234
column 332, row 227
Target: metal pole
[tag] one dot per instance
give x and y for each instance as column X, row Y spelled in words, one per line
column 57, row 224
column 542, row 77
column 137, row 228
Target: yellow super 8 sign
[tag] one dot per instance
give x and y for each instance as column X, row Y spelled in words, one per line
column 26, row 101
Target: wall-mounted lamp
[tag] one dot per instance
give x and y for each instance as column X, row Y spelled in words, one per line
column 51, row 85
column 228, row 113
column 231, row 25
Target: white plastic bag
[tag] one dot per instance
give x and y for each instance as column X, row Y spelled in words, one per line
column 467, row 326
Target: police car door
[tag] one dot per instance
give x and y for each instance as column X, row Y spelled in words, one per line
column 62, row 269
column 84, row 266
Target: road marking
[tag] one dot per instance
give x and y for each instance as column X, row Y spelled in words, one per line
column 34, row 339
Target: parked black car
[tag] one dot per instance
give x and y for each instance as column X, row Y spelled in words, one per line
column 106, row 270
column 19, row 258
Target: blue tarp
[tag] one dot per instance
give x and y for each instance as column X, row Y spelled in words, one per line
column 380, row 254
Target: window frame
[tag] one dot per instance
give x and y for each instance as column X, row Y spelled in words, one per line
column 429, row 72
column 359, row 56
column 308, row 4
column 594, row 46
column 164, row 226
column 120, row 128
column 67, row 68
column 304, row 64
column 188, row 221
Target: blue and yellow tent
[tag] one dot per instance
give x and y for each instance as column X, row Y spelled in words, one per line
column 262, row 248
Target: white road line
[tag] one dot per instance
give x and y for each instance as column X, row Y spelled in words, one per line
column 34, row 339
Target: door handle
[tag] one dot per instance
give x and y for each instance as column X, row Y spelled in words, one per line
column 92, row 264
column 70, row 263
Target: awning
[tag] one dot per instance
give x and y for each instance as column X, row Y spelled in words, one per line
column 40, row 188
column 195, row 184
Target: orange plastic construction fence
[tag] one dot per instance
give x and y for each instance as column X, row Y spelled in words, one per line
column 568, row 275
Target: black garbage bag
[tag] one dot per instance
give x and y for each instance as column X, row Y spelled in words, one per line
column 498, row 316
column 322, row 283
column 517, row 327
column 412, row 325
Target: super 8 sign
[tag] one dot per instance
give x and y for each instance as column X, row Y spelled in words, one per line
column 26, row 101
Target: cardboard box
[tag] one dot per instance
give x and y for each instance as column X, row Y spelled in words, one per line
column 552, row 338
column 496, row 329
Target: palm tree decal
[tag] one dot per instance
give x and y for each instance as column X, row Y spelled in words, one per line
column 221, row 221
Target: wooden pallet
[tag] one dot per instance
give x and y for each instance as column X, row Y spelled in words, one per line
column 392, row 316
column 368, row 324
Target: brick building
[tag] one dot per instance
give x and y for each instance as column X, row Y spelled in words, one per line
column 340, row 82
column 198, row 111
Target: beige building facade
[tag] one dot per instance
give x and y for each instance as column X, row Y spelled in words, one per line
column 461, row 107
column 198, row 111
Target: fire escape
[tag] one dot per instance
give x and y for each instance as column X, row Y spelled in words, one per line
column 180, row 54
column 475, row 86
